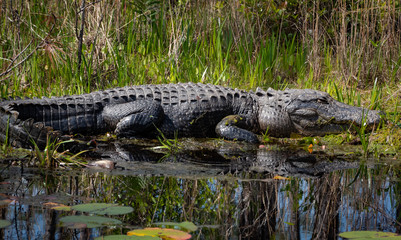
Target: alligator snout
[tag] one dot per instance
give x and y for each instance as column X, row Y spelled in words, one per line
column 350, row 115
column 373, row 118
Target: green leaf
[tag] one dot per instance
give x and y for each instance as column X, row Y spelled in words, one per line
column 102, row 208
column 370, row 235
column 125, row 237
column 4, row 223
column 161, row 232
column 188, row 226
column 82, row 221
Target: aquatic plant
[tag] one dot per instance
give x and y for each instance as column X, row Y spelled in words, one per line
column 359, row 235
column 171, row 145
column 51, row 156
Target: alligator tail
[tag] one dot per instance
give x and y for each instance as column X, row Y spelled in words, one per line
column 25, row 134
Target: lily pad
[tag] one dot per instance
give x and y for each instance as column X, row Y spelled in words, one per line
column 57, row 206
column 5, row 202
column 125, row 237
column 370, row 235
column 188, row 226
column 4, row 223
column 280, row 178
column 82, row 221
column 102, row 208
column 62, row 208
column 161, row 232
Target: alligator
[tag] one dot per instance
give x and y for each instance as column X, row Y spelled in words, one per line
column 182, row 110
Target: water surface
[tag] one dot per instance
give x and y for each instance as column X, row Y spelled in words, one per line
column 229, row 193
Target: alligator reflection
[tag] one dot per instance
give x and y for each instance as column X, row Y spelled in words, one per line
column 132, row 160
column 227, row 194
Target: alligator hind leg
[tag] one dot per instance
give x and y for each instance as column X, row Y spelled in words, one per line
column 133, row 118
column 232, row 128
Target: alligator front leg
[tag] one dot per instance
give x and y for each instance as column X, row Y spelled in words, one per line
column 133, row 118
column 232, row 128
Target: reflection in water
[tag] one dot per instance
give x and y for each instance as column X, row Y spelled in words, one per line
column 227, row 194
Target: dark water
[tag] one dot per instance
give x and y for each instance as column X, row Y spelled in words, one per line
column 227, row 193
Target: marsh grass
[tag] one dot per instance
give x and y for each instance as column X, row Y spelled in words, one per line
column 5, row 147
column 51, row 157
column 171, row 146
column 349, row 49
column 145, row 42
column 363, row 135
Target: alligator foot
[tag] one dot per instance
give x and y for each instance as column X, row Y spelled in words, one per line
column 230, row 128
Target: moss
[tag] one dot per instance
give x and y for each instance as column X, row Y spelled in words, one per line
column 386, row 141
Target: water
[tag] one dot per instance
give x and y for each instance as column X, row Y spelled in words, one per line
column 228, row 193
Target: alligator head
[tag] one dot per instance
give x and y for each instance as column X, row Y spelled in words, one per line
column 309, row 113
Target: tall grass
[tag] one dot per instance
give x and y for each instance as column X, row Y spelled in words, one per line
column 340, row 47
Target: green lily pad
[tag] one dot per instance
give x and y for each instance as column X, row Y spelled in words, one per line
column 82, row 221
column 102, row 208
column 4, row 223
column 164, row 233
column 57, row 206
column 370, row 235
column 188, row 226
column 62, row 208
column 125, row 237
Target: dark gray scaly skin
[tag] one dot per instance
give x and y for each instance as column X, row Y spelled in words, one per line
column 191, row 110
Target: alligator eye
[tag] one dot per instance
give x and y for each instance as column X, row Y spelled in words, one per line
column 322, row 100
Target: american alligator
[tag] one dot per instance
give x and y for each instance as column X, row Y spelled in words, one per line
column 188, row 109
